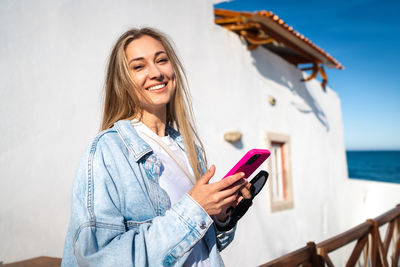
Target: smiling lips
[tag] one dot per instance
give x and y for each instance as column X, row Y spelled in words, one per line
column 157, row 87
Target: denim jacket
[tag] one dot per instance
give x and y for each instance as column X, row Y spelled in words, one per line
column 120, row 215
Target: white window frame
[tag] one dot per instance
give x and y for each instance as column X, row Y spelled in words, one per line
column 279, row 182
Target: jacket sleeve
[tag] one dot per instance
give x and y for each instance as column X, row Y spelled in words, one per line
column 101, row 236
column 224, row 238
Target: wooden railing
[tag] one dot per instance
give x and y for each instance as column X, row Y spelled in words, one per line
column 367, row 235
column 36, row 262
column 368, row 241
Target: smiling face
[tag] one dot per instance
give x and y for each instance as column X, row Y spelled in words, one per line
column 152, row 72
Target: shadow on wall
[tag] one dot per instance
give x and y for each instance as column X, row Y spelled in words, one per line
column 289, row 77
column 238, row 145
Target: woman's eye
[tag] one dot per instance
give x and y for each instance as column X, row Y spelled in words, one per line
column 163, row 60
column 137, row 67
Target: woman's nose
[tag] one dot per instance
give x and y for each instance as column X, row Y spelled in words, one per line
column 154, row 72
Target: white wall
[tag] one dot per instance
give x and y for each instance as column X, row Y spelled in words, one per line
column 52, row 64
column 312, row 119
column 53, row 56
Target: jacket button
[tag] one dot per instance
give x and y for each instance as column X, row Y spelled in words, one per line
column 203, row 225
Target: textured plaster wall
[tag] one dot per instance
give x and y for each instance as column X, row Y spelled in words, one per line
column 53, row 56
column 312, row 119
column 52, row 63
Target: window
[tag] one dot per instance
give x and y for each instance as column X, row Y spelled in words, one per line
column 280, row 180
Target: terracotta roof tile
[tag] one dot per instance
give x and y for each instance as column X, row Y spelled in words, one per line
column 282, row 31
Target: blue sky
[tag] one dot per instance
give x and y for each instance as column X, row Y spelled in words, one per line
column 364, row 37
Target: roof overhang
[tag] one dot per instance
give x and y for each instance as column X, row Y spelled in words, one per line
column 267, row 29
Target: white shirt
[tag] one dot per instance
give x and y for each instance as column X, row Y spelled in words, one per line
column 174, row 181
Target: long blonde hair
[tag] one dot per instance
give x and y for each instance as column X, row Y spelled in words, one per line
column 122, row 100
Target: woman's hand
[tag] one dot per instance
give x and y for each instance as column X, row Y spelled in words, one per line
column 245, row 191
column 217, row 197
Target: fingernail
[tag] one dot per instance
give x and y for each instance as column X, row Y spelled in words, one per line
column 242, row 174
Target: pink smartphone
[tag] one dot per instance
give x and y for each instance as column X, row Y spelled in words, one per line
column 249, row 162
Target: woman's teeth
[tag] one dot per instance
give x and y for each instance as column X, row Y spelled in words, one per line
column 156, row 87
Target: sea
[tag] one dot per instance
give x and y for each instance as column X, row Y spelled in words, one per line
column 383, row 166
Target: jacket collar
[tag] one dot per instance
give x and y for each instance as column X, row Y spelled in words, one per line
column 174, row 134
column 135, row 144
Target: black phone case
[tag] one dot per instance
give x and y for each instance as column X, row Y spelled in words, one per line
column 244, row 205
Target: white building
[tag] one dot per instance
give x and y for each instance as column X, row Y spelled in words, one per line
column 52, row 64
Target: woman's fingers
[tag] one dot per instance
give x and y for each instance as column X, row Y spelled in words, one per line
column 228, row 201
column 233, row 189
column 215, row 198
column 245, row 191
column 228, row 188
column 208, row 175
column 229, row 181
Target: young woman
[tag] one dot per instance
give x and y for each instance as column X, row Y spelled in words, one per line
column 141, row 195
